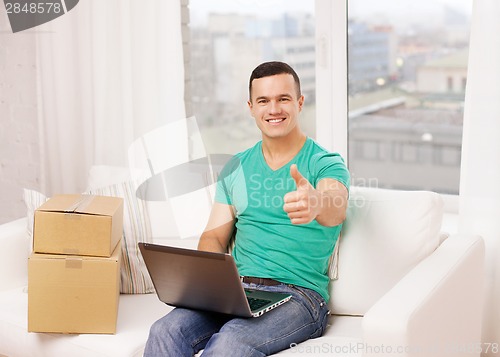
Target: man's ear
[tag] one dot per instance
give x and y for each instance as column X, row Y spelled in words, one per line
column 250, row 106
column 301, row 102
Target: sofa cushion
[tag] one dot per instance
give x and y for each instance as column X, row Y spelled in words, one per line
column 385, row 235
column 32, row 199
column 136, row 314
column 14, row 253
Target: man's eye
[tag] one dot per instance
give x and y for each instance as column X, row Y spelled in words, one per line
column 284, row 99
column 262, row 101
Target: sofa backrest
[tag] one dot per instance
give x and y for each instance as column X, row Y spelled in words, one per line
column 385, row 235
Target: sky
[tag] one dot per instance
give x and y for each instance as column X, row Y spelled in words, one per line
column 358, row 8
column 406, row 6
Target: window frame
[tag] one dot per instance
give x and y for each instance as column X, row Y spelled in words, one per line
column 331, row 76
column 332, row 101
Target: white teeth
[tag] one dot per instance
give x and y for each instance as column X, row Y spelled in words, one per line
column 275, row 120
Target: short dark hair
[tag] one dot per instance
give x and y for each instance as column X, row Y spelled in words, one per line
column 272, row 68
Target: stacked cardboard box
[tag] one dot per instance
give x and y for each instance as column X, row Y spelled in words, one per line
column 74, row 270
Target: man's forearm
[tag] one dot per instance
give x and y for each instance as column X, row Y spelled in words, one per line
column 210, row 243
column 219, row 229
column 332, row 209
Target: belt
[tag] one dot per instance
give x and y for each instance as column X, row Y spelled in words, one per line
column 259, row 281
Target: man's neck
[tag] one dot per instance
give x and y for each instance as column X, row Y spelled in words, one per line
column 279, row 151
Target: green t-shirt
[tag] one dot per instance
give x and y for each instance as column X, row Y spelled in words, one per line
column 268, row 245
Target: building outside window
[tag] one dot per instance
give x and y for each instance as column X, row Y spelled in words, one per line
column 407, row 74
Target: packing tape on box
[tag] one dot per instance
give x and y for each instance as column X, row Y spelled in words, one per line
column 74, row 263
column 80, row 204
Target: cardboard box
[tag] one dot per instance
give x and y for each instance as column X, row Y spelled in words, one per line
column 78, row 225
column 73, row 294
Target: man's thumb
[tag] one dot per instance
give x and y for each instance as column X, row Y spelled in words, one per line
column 300, row 180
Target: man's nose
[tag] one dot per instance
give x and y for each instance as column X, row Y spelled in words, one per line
column 274, row 107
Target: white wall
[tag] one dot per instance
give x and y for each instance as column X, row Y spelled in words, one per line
column 19, row 150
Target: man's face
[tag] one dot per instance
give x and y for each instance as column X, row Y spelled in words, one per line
column 275, row 105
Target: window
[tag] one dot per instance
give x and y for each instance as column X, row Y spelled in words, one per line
column 226, row 41
column 384, row 81
column 407, row 68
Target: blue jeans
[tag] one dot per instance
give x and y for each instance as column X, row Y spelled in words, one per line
column 185, row 332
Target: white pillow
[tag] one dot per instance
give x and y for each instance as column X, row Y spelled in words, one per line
column 32, row 199
column 385, row 235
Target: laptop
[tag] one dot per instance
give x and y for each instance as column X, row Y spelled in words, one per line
column 205, row 281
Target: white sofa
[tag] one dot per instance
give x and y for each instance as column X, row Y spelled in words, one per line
column 403, row 289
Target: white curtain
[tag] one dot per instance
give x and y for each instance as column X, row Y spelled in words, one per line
column 480, row 170
column 109, row 71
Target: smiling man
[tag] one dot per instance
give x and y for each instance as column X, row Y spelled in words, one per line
column 287, row 198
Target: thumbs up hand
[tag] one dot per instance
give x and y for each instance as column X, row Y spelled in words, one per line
column 303, row 204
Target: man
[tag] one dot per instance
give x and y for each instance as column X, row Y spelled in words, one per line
column 287, row 199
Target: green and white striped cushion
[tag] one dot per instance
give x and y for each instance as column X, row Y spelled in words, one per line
column 135, row 278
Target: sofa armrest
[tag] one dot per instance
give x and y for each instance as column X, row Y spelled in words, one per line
column 14, row 251
column 436, row 309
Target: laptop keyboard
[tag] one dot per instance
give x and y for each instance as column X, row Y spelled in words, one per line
column 257, row 303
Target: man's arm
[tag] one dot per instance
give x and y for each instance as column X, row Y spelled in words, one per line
column 333, row 198
column 327, row 203
column 219, row 229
